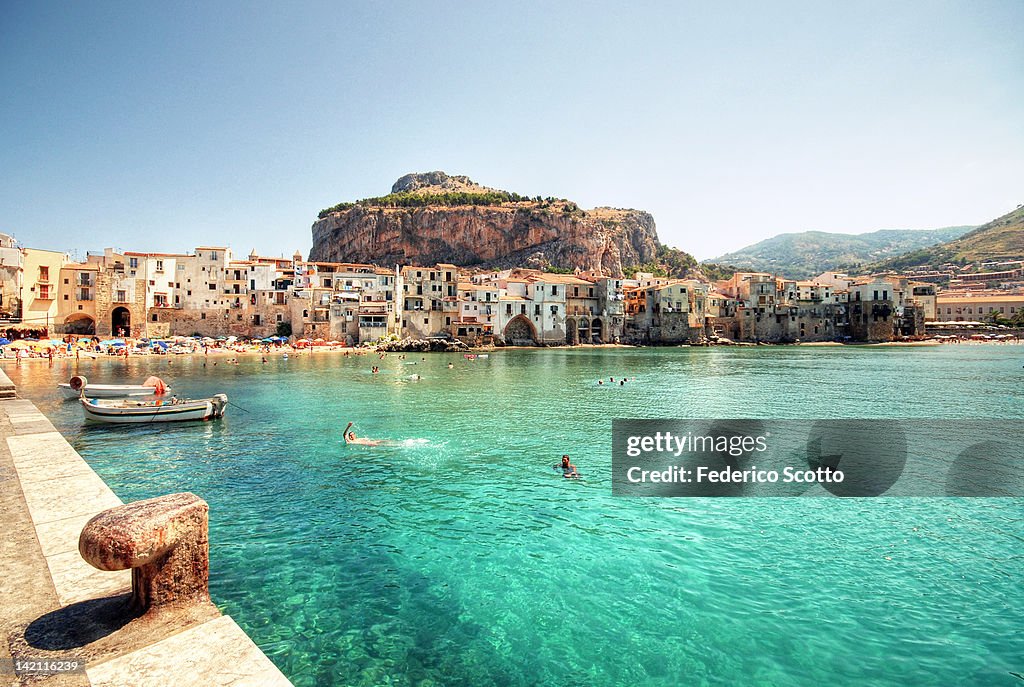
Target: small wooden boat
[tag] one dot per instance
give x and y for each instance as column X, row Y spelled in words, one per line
column 163, row 410
column 153, row 386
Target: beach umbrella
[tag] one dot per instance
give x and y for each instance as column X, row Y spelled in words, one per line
column 4, row 341
column 163, row 344
column 21, row 343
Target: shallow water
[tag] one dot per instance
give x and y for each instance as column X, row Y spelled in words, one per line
column 459, row 556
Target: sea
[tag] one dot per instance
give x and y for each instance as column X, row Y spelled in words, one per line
column 455, row 553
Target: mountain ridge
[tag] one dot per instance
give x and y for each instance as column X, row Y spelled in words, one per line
column 808, row 253
column 1000, row 239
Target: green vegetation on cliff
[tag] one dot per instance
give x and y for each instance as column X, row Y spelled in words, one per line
column 409, row 199
column 668, row 262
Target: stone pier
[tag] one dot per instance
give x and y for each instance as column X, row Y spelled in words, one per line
column 56, row 606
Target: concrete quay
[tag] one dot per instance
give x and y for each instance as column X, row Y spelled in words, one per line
column 54, row 606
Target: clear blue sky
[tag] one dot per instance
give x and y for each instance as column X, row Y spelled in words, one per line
column 161, row 126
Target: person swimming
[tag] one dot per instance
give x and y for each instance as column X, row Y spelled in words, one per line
column 351, row 438
column 568, row 469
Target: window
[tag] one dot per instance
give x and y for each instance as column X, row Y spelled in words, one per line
column 65, row 281
column 280, row 318
column 213, row 286
column 536, row 310
column 554, row 309
column 159, row 265
column 554, row 290
column 65, row 296
column 508, row 308
column 133, row 262
column 426, row 320
column 121, row 296
column 447, row 321
column 152, row 317
column 256, row 320
column 202, row 316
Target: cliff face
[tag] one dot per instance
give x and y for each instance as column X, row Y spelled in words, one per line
column 522, row 233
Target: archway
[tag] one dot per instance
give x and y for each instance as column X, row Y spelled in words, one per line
column 520, row 332
column 121, row 322
column 597, row 333
column 79, row 324
column 584, row 330
column 572, row 334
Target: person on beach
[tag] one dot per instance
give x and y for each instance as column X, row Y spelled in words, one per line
column 568, row 469
column 351, row 438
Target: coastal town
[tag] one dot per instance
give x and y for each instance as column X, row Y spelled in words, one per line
column 211, row 292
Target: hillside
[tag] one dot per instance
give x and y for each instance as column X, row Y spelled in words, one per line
column 433, row 217
column 1001, row 239
column 805, row 254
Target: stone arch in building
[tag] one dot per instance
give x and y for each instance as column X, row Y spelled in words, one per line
column 584, row 330
column 80, row 324
column 520, row 332
column 121, row 321
column 598, row 334
column 572, row 334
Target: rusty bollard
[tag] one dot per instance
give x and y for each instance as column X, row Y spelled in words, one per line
column 165, row 542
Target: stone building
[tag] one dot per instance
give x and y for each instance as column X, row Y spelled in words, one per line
column 76, row 307
column 10, row 279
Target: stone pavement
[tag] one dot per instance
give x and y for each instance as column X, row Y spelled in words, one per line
column 55, row 606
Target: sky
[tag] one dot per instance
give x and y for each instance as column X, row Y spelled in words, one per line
column 163, row 126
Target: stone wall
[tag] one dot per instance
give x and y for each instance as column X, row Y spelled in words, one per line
column 107, row 285
column 873, row 321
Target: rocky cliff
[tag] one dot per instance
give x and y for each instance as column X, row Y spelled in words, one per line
column 430, row 218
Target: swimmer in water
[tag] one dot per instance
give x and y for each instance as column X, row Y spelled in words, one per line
column 351, row 438
column 568, row 469
column 450, row 365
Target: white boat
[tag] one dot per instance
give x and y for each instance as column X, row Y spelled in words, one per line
column 163, row 410
column 153, row 386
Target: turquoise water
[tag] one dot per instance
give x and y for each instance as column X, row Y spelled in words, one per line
column 460, row 557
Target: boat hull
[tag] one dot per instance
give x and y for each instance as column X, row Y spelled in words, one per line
column 131, row 412
column 107, row 390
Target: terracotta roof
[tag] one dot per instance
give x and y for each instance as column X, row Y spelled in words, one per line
column 968, row 300
column 158, row 255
